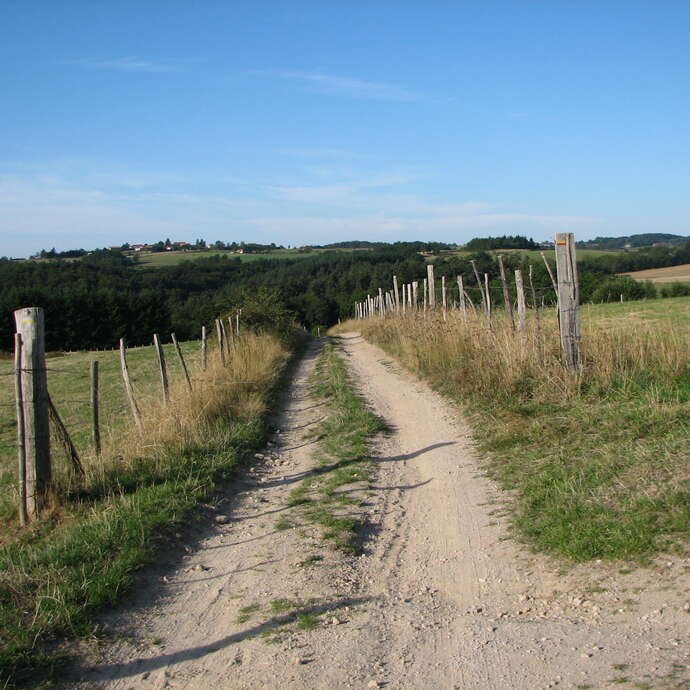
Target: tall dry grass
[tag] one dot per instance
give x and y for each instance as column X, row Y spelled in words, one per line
column 491, row 360
column 234, row 392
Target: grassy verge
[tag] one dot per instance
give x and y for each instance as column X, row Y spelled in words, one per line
column 327, row 495
column 598, row 463
column 82, row 555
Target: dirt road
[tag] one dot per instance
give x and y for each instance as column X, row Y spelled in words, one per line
column 440, row 598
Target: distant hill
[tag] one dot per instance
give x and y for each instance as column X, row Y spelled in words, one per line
column 633, row 241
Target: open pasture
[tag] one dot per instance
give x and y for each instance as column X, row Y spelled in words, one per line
column 668, row 274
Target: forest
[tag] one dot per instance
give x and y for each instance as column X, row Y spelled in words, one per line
column 93, row 302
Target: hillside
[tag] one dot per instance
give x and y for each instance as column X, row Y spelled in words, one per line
column 648, row 239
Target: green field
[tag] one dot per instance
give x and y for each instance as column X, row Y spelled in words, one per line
column 550, row 253
column 69, row 387
column 157, row 259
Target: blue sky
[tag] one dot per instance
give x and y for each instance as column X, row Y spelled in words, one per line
column 313, row 122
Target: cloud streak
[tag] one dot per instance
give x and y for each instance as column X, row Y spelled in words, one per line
column 128, row 64
column 349, row 86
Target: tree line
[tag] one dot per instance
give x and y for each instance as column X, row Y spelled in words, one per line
column 93, row 302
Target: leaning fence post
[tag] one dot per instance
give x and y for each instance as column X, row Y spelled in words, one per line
column 128, row 384
column 479, row 283
column 95, row 422
column 487, row 300
column 163, row 369
column 221, row 343
column 21, row 449
column 182, row 362
column 64, row 437
column 568, row 299
column 30, row 323
column 521, row 309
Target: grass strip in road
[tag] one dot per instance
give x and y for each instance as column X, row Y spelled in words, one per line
column 82, row 557
column 327, row 495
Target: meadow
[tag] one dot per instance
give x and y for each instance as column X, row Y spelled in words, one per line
column 668, row 274
column 596, row 463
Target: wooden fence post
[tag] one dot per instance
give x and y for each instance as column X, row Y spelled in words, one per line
column 461, row 293
column 163, row 369
column 382, row 306
column 487, row 299
column 521, row 309
column 21, row 449
column 203, row 348
column 221, row 343
column 506, row 291
column 30, row 323
column 443, row 295
column 479, row 283
column 430, row 285
column 548, row 268
column 395, row 291
column 568, row 299
column 182, row 362
column 95, row 417
column 64, row 437
column 426, row 293
column 128, row 385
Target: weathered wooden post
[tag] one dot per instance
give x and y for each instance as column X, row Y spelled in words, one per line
column 521, row 308
column 95, row 412
column 479, row 284
column 431, row 285
column 487, row 298
column 64, row 438
column 203, row 348
column 382, row 306
column 128, row 384
column 30, row 323
column 395, row 292
column 161, row 366
column 506, row 291
column 182, row 362
column 443, row 295
column 221, row 343
column 568, row 299
column 426, row 290
column 415, row 289
column 548, row 268
column 461, row 294
column 21, row 449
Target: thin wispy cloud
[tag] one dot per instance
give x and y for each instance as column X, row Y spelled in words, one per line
column 128, row 64
column 350, row 86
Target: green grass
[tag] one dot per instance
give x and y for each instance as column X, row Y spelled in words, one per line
column 342, row 453
column 81, row 557
column 69, row 386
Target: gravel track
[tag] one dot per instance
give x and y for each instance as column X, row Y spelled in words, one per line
column 441, row 597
